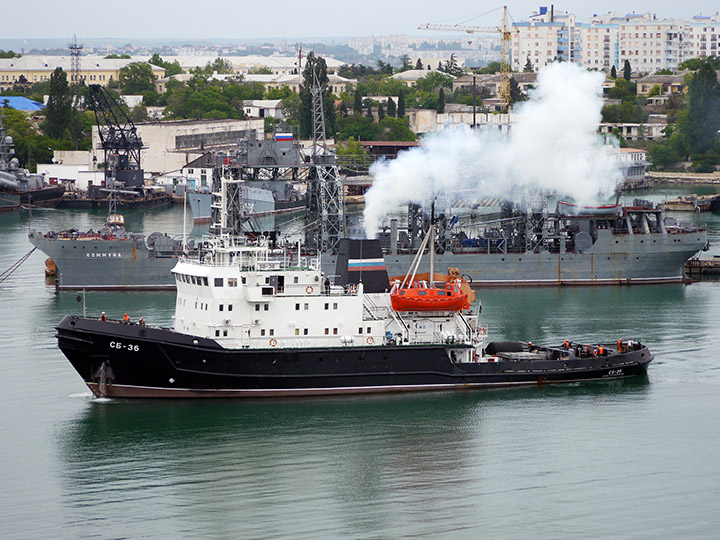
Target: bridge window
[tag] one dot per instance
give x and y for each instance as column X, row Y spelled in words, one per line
column 232, row 282
column 218, row 282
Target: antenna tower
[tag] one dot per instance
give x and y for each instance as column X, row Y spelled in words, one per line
column 75, row 81
column 325, row 187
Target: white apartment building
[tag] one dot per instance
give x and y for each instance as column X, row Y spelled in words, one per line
column 649, row 44
column 703, row 36
column 598, row 45
column 548, row 36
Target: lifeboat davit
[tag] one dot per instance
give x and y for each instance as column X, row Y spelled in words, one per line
column 420, row 297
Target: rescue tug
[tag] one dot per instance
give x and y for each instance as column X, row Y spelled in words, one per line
column 251, row 321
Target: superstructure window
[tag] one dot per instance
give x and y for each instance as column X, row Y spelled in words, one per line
column 221, row 307
column 232, row 282
column 305, row 331
column 218, row 282
column 257, row 307
column 297, row 307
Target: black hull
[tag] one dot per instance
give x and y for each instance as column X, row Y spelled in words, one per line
column 122, row 203
column 45, row 196
column 127, row 360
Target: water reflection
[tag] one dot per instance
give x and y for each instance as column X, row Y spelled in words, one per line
column 352, row 467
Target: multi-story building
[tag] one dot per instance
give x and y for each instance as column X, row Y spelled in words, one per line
column 598, row 45
column 548, row 36
column 36, row 68
column 649, row 44
column 703, row 36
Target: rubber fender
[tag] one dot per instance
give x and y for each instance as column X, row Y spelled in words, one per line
column 495, row 347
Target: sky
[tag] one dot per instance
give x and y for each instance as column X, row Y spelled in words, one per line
column 285, row 19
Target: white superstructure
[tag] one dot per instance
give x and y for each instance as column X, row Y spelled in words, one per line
column 251, row 297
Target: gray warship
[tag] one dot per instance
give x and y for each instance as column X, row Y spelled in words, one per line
column 18, row 186
column 273, row 169
column 111, row 258
column 603, row 245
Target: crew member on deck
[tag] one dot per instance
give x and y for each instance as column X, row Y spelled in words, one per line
column 566, row 345
column 103, row 317
column 126, row 318
column 142, row 321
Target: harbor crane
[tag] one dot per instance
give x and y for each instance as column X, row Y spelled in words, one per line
column 505, row 39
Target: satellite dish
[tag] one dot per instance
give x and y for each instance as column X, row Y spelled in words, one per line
column 583, row 241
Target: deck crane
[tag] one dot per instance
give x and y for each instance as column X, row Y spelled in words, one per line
column 505, row 35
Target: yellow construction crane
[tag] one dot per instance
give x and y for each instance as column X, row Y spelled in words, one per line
column 505, row 42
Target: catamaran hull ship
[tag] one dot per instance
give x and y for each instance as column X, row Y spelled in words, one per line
column 128, row 360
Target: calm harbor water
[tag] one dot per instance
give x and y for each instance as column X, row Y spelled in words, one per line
column 621, row 459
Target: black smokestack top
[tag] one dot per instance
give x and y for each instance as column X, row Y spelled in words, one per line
column 362, row 261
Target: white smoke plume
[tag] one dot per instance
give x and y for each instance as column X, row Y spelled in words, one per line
column 553, row 145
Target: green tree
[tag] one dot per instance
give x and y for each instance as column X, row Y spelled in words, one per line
column 401, row 104
column 278, row 93
column 529, row 68
column 623, row 89
column 405, row 63
column 9, row 54
column 492, row 67
column 433, row 81
column 613, row 72
column 702, row 122
column 170, row 68
column 381, row 112
column 419, row 64
column 353, row 148
column 693, row 64
column 516, row 94
column 441, row 102
column 451, row 67
column 220, row 65
column 395, row 129
column 627, row 72
column 357, row 107
column 59, row 109
column 118, row 56
column 391, row 110
column 136, row 78
column 663, row 155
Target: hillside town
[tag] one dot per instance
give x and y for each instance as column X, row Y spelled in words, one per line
column 417, row 86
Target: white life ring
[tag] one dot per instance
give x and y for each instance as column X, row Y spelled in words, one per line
column 273, row 342
column 482, row 331
column 309, row 290
column 353, row 289
column 370, row 340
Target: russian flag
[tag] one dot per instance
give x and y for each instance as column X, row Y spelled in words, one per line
column 283, row 136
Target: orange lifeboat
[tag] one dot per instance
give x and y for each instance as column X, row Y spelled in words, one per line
column 420, row 297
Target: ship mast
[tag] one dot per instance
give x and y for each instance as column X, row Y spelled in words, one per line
column 432, row 244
